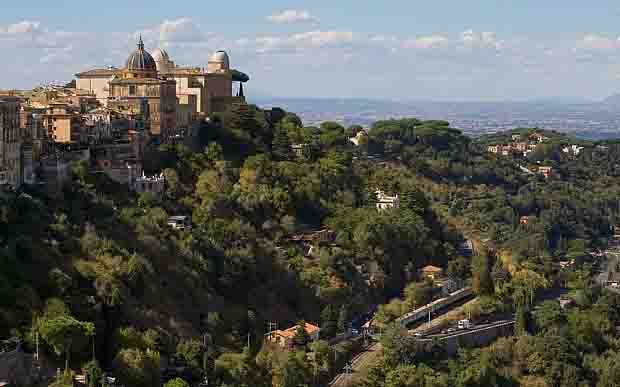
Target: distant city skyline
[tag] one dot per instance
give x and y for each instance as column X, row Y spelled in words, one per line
column 481, row 50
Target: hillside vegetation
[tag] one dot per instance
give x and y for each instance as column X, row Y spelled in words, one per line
column 101, row 263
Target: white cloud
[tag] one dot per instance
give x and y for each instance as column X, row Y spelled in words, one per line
column 180, row 30
column 292, row 16
column 426, row 42
column 23, row 27
column 593, row 42
column 301, row 42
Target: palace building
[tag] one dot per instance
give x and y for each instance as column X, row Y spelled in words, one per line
column 213, row 88
column 176, row 95
column 140, row 87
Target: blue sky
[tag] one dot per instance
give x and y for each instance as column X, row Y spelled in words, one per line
column 396, row 49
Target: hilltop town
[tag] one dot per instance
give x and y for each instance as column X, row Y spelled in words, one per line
column 107, row 117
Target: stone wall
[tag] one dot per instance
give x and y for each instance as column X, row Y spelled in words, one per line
column 477, row 338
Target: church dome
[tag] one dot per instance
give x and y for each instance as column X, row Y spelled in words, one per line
column 222, row 58
column 141, row 60
column 159, row 54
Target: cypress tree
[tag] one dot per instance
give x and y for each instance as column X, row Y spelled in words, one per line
column 482, row 283
column 281, row 145
column 343, row 319
column 328, row 322
column 521, row 321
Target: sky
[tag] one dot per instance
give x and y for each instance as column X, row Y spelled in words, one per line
column 455, row 50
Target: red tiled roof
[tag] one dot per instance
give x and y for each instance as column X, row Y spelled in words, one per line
column 99, row 73
column 432, row 269
column 292, row 331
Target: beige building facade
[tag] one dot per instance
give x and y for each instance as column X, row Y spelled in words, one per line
column 62, row 124
column 97, row 81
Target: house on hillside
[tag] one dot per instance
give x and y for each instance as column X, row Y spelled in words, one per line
column 545, row 171
column 301, row 150
column 385, row 202
column 538, row 137
column 309, row 242
column 516, row 137
column 466, row 248
column 573, row 150
column 494, row 148
column 180, row 222
column 358, row 137
column 432, row 272
column 520, row 146
column 524, row 220
column 284, row 338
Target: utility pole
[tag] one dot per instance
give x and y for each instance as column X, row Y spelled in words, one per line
column 36, row 341
column 272, row 327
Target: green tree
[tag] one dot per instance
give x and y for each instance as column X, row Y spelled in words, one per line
column 173, row 183
column 521, row 320
column 549, row 315
column 343, row 319
column 482, row 282
column 418, row 294
column 293, row 373
column 191, row 351
column 328, row 322
column 138, row 368
column 301, row 338
column 281, row 146
column 176, row 382
column 65, row 333
column 93, row 373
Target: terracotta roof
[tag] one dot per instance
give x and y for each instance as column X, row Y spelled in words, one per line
column 292, row 331
column 140, row 81
column 99, row 73
column 432, row 269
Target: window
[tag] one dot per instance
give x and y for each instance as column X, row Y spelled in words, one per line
column 132, row 90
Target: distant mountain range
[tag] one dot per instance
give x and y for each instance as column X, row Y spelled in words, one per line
column 612, row 101
column 584, row 118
